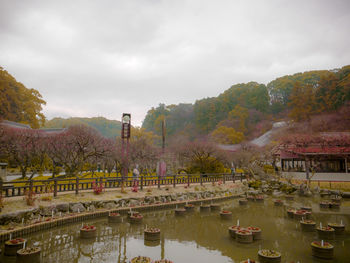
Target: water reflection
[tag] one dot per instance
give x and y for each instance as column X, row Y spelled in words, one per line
column 197, row 237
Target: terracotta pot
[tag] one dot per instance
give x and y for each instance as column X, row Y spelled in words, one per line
column 28, row 255
column 12, row 246
column 325, row 232
column 232, row 230
column 307, row 225
column 226, row 215
column 278, row 203
column 319, row 251
column 180, row 212
column 114, row 218
column 152, row 234
column 269, row 258
column 136, row 219
column 244, row 236
column 88, row 233
column 290, row 213
column 189, row 207
column 215, row 207
column 338, row 228
column 256, row 231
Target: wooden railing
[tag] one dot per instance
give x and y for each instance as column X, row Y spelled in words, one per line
column 20, row 188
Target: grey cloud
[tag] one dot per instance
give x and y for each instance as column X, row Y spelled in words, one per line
column 93, row 58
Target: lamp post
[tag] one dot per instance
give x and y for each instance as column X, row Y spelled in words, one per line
column 125, row 135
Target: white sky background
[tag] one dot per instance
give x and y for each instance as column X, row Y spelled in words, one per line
column 103, row 58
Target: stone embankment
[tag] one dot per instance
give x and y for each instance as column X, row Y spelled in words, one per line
column 33, row 214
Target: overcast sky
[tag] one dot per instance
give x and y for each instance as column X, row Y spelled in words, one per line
column 103, row 58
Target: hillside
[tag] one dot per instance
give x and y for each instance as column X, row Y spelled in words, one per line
column 247, row 110
column 108, row 128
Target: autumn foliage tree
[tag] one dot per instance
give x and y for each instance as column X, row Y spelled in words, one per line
column 19, row 103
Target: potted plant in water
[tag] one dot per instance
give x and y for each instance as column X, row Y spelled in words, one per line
column 152, row 234
column 232, row 230
column 11, row 246
column 28, row 255
column 88, row 231
column 325, row 232
column 269, row 256
column 307, row 225
column 136, row 219
column 256, row 231
column 338, row 227
column 225, row 214
column 244, row 236
column 321, row 249
column 163, row 261
column 114, row 218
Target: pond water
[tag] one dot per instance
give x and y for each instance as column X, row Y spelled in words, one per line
column 197, row 237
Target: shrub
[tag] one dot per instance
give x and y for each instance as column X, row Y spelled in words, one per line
column 97, row 187
column 30, row 197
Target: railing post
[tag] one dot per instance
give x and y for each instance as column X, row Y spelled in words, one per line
column 76, row 185
column 224, row 178
column 55, row 188
column 158, row 181
column 174, row 180
column 188, row 180
column 201, row 179
column 141, row 185
column 241, row 177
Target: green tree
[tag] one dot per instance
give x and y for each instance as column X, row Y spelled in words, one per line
column 18, row 103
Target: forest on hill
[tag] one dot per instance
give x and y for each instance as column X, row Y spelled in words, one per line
column 108, row 128
column 247, row 110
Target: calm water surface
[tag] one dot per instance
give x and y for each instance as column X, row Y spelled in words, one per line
column 198, row 237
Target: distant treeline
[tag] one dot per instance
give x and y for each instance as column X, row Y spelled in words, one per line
column 247, row 109
column 108, row 128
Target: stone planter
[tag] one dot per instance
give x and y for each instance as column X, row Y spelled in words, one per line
column 136, row 219
column 88, row 231
column 269, row 256
column 299, row 215
column 256, row 231
column 259, row 199
column 28, row 255
column 232, row 230
column 289, row 197
column 325, row 232
column 132, row 213
column 215, row 207
column 336, row 199
column 324, row 205
column 251, row 198
column 189, row 207
column 307, row 225
column 114, row 218
column 320, row 250
column 243, row 201
column 290, row 213
column 152, row 234
column 338, row 228
column 204, row 208
column 278, row 202
column 180, row 212
column 13, row 245
column 140, row 259
column 306, row 208
column 334, row 205
column 226, row 215
column 244, row 236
